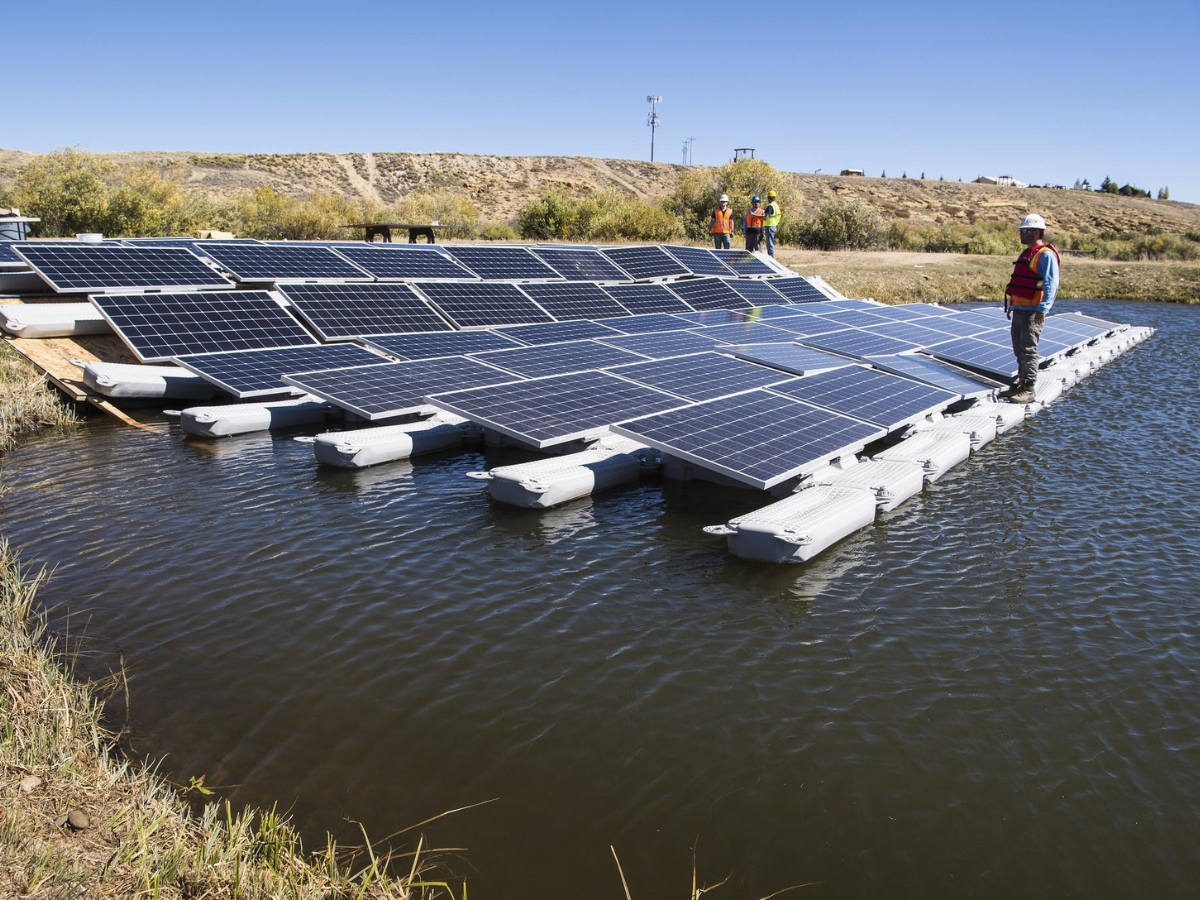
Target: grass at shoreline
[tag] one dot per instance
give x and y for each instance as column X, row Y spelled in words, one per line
column 27, row 403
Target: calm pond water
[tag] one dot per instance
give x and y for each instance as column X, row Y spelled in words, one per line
column 991, row 693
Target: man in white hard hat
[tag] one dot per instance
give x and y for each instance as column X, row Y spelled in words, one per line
column 1027, row 298
column 721, row 226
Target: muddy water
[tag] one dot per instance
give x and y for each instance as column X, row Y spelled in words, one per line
column 993, row 692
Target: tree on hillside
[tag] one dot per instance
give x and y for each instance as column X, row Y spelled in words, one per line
column 904, row 174
column 1108, row 186
column 1164, row 193
column 67, row 190
column 922, row 176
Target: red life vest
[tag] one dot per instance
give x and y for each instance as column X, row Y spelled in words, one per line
column 722, row 222
column 755, row 218
column 1025, row 287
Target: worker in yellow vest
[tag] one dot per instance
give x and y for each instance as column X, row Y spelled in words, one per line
column 721, row 226
column 755, row 216
column 771, row 222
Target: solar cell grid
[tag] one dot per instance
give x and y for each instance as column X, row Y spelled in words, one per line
column 7, row 257
column 475, row 304
column 699, row 261
column 798, row 290
column 646, row 324
column 779, row 310
column 791, row 358
column 551, row 411
column 1068, row 324
column 858, row 344
column 391, row 389
column 503, row 263
column 558, row 332
column 759, row 438
column 743, row 262
column 80, row 267
column 646, row 298
column 912, row 332
column 404, row 261
column 991, row 358
column 955, row 326
column 807, row 326
column 253, row 373
column 343, row 311
column 574, row 300
column 664, row 344
column 579, row 265
column 757, row 293
column 888, row 401
column 161, row 326
column 294, row 263
column 747, row 333
column 434, row 344
column 701, row 377
column 902, row 313
column 853, row 318
column 710, row 317
column 557, row 359
column 645, row 262
column 931, row 371
column 707, row 293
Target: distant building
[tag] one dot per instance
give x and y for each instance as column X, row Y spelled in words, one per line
column 856, row 172
column 1006, row 180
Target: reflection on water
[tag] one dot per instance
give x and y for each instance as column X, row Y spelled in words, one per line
column 987, row 693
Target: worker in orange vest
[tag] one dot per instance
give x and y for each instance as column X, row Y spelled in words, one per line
column 721, row 226
column 755, row 217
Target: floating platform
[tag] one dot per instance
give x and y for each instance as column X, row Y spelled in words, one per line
column 46, row 320
column 979, row 429
column 890, row 481
column 365, row 447
column 245, row 418
column 134, row 381
column 548, row 482
column 936, row 452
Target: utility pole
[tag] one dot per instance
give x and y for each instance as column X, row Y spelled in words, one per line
column 652, row 119
column 689, row 143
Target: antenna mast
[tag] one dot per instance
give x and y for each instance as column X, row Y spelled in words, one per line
column 652, row 119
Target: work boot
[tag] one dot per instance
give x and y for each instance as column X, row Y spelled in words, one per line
column 1023, row 394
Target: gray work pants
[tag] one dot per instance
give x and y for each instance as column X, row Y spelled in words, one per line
column 769, row 234
column 1025, row 335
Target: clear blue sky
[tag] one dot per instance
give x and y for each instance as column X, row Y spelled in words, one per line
column 1046, row 93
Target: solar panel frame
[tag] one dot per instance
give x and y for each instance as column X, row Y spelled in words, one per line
column 575, row 264
column 474, row 304
column 65, row 268
column 342, row 312
column 259, row 373
column 557, row 359
column 502, row 263
column 663, row 344
column 920, row 367
column 799, row 290
column 760, row 438
column 405, row 262
column 743, row 263
column 649, row 323
column 558, row 332
column 645, row 263
column 439, row 344
column 274, row 264
column 571, row 300
column 544, row 412
column 870, row 395
column 644, row 299
column 707, row 293
column 161, row 326
column 699, row 260
column 703, row 376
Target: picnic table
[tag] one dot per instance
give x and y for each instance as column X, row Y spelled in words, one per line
column 372, row 229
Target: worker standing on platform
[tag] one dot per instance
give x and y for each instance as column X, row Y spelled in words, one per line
column 755, row 216
column 771, row 223
column 1027, row 298
column 721, row 226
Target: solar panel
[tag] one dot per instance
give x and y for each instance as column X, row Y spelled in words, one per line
column 551, row 411
column 404, row 261
column 843, row 304
column 932, row 371
column 392, row 389
column 557, row 359
column 254, row 373
column 97, row 267
column 645, row 324
column 664, row 344
column 744, row 263
column 798, row 290
column 955, row 325
column 274, row 263
column 558, row 332
column 906, row 312
column 756, row 293
column 778, row 310
column 699, row 261
column 791, row 358
column 574, row 300
column 759, row 438
column 1048, row 345
column 996, row 312
column 644, row 262
column 503, row 263
column 707, row 293
column 341, row 311
column 888, row 401
column 162, row 326
column 8, row 259
column 1074, row 335
column 912, row 332
column 747, row 333
column 857, row 343
column 806, row 326
column 471, row 304
column 1091, row 320
column 990, row 358
column 646, row 298
column 701, row 377
column 852, row 318
column 1070, row 324
column 977, row 317
column 579, row 265
column 434, row 344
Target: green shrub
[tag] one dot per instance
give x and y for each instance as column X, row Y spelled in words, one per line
column 67, row 190
column 845, row 224
column 494, row 231
column 145, row 203
column 556, row 216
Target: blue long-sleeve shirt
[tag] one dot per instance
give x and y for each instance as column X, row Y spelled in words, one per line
column 1047, row 269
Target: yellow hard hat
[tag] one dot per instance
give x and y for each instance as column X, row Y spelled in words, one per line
column 770, row 194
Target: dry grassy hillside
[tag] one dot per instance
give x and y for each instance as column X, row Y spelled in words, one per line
column 500, row 185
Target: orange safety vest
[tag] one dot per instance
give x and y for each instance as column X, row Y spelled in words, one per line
column 722, row 222
column 1024, row 287
column 755, row 218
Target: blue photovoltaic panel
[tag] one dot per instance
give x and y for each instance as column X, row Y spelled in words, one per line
column 1048, row 346
column 553, row 410
column 391, row 389
column 1068, row 335
column 253, row 373
column 747, row 333
column 744, row 263
column 700, row 261
column 806, row 326
column 579, row 265
column 906, row 312
column 642, row 299
column 98, row 267
column 503, row 263
column 759, row 438
column 558, row 332
column 8, row 258
column 646, row 324
column 711, row 317
column 932, row 371
column 781, row 310
column 912, row 332
column 701, row 377
column 557, row 359
column 993, row 359
column 876, row 397
column 858, row 344
column 790, row 358
column 1090, row 320
column 574, row 300
column 472, row 304
column 645, row 262
column 404, row 261
column 707, row 293
column 978, row 317
column 798, row 290
column 162, row 326
column 955, row 325
column 434, row 344
column 1069, row 324
column 341, row 311
column 852, row 318
column 294, row 263
column 664, row 344
column 757, row 293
